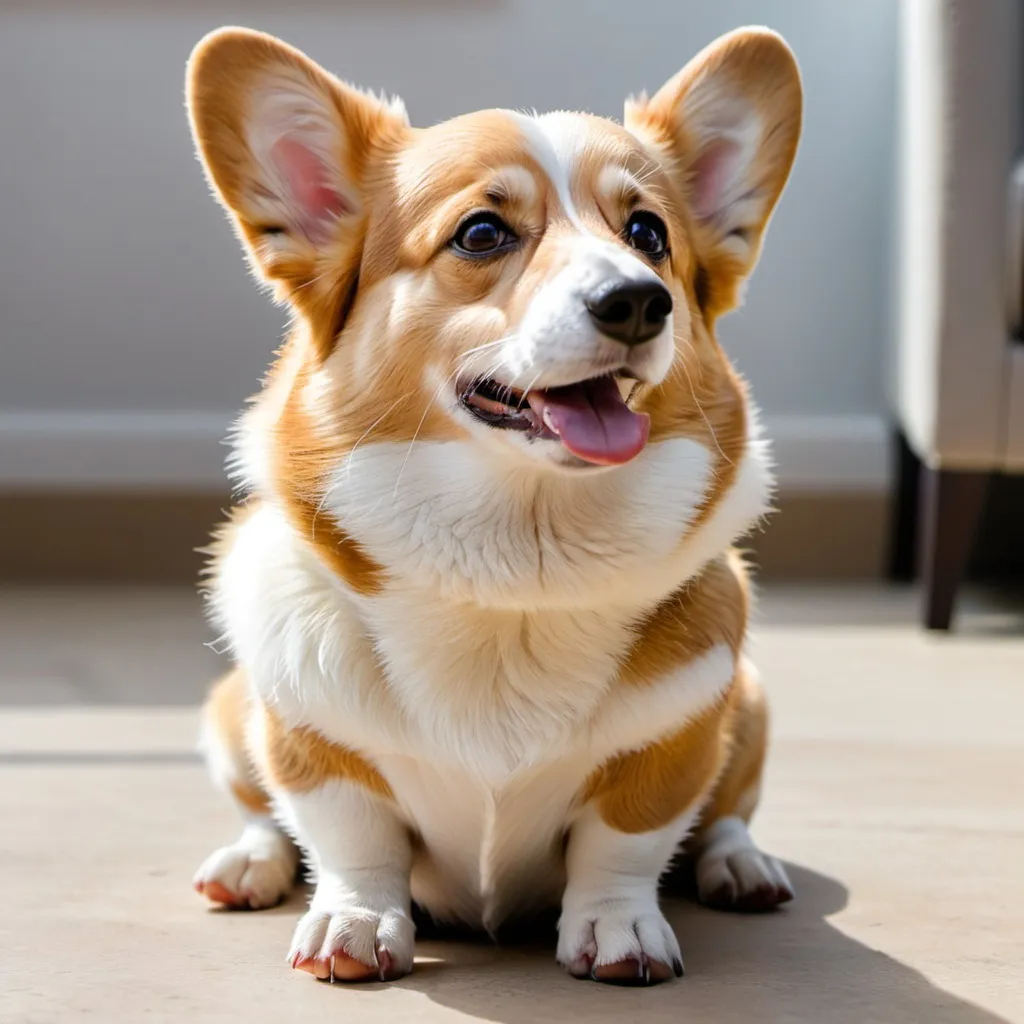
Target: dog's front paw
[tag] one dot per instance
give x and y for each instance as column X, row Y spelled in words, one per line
column 618, row 941
column 349, row 942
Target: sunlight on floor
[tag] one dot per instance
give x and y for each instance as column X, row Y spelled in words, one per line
column 893, row 794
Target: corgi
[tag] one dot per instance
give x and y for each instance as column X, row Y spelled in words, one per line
column 486, row 620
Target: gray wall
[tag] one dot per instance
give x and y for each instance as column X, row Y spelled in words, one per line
column 121, row 287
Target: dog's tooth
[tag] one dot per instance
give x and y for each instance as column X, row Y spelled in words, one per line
column 546, row 417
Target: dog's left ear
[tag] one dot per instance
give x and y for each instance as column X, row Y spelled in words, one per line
column 727, row 125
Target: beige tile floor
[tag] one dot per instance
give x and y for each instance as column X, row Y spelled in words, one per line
column 895, row 794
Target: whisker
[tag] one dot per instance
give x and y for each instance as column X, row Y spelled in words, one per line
column 645, row 172
column 528, row 389
column 505, row 392
column 373, row 426
column 349, row 458
column 700, row 409
column 314, row 280
column 465, row 363
column 487, row 345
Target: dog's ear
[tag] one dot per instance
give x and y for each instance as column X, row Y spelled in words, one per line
column 287, row 148
column 727, row 126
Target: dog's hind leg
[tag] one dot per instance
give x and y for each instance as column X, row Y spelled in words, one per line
column 257, row 870
column 732, row 873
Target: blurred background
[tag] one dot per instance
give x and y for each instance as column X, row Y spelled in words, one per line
column 131, row 333
column 880, row 336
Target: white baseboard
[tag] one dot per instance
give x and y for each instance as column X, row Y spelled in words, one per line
column 830, row 453
column 184, row 450
column 91, row 451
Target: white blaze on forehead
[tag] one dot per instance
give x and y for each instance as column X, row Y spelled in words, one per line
column 556, row 142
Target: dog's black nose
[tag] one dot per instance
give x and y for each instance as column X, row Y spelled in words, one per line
column 630, row 312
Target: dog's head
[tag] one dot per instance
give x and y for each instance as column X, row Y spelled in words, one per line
column 525, row 280
column 542, row 289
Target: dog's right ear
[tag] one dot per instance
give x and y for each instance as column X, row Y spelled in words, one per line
column 286, row 147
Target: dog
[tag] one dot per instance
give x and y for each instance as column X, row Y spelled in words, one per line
column 486, row 618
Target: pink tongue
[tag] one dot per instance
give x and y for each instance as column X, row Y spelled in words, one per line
column 592, row 420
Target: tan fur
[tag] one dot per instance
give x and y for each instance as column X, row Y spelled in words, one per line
column 720, row 753
column 303, row 458
column 735, row 793
column 709, row 610
column 226, row 712
column 252, row 798
column 341, row 553
column 297, row 760
column 647, row 788
column 300, row 760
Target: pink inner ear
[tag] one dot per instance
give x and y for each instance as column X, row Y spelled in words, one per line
column 713, row 174
column 306, row 178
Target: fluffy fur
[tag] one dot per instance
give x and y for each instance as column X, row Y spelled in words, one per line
column 473, row 670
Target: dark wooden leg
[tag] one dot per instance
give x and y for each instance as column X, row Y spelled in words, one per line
column 905, row 502
column 952, row 501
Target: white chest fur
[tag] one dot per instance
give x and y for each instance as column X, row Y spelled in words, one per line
column 473, row 528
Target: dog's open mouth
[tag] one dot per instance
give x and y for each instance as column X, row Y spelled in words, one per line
column 590, row 418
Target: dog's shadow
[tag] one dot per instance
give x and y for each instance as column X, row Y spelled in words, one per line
column 791, row 965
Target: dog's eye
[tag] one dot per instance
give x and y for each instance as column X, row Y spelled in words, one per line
column 481, row 235
column 647, row 234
